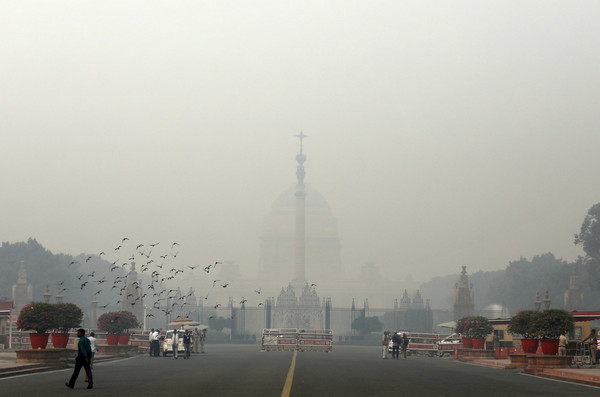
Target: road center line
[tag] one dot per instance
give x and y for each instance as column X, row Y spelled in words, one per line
column 290, row 376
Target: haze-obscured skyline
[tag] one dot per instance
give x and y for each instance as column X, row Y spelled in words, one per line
column 442, row 134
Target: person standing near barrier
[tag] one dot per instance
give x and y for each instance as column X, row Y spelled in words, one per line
column 396, row 340
column 195, row 337
column 155, row 343
column 593, row 338
column 202, row 339
column 84, row 354
column 385, row 341
column 562, row 344
column 404, row 344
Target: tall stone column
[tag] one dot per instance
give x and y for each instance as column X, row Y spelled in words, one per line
column 299, row 279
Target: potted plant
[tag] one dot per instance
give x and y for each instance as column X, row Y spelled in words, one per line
column 549, row 325
column 461, row 328
column 68, row 316
column 115, row 323
column 523, row 324
column 478, row 327
column 39, row 317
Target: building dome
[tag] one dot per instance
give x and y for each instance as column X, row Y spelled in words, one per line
column 313, row 199
column 323, row 258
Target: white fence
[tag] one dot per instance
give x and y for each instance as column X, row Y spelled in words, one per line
column 289, row 339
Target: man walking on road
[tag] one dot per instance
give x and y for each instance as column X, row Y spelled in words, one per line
column 84, row 354
column 187, row 340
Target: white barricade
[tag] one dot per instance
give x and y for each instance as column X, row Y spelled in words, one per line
column 286, row 339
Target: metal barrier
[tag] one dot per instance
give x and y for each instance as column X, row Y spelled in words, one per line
column 289, row 339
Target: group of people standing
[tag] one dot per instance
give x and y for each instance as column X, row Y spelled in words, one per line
column 190, row 341
column 563, row 342
column 399, row 342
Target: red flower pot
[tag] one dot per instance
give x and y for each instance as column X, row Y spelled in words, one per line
column 38, row 341
column 60, row 340
column 549, row 347
column 467, row 343
column 478, row 343
column 112, row 339
column 529, row 345
column 124, row 339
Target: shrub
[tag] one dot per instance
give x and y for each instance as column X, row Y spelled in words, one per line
column 37, row 316
column 523, row 324
column 117, row 322
column 550, row 323
column 479, row 327
column 461, row 326
column 68, row 316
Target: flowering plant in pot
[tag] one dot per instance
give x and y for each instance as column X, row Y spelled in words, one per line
column 115, row 323
column 523, row 324
column 478, row 327
column 462, row 329
column 68, row 316
column 39, row 317
column 550, row 324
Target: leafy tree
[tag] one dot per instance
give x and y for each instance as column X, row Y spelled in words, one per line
column 589, row 239
column 218, row 323
column 365, row 325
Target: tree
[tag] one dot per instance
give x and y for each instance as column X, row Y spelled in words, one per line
column 365, row 325
column 589, row 239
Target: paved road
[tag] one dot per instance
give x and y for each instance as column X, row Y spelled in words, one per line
column 228, row 370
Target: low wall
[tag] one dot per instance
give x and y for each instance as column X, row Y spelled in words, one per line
column 51, row 357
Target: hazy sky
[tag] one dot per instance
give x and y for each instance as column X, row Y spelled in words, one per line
column 442, row 133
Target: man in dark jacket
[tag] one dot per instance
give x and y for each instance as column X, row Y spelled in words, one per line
column 84, row 354
column 396, row 341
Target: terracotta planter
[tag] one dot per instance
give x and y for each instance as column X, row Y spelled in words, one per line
column 112, row 339
column 467, row 342
column 38, row 341
column 549, row 347
column 124, row 339
column 478, row 343
column 529, row 345
column 60, row 340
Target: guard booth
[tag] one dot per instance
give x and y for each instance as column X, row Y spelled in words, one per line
column 288, row 339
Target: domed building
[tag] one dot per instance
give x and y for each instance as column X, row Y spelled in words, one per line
column 323, row 258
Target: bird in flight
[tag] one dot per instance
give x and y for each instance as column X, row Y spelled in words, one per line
column 313, row 285
column 224, row 285
column 258, row 291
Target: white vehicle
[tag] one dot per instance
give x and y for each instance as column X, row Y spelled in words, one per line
column 167, row 346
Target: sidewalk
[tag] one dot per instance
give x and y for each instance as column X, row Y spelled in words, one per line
column 585, row 375
column 10, row 367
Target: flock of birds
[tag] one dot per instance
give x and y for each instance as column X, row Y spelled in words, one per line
column 162, row 270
